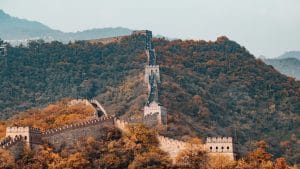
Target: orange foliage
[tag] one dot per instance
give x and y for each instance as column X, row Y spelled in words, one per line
column 52, row 116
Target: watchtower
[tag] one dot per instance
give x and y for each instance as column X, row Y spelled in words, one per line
column 220, row 146
column 29, row 134
column 155, row 108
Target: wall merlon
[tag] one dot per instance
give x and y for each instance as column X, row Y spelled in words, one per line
column 219, row 139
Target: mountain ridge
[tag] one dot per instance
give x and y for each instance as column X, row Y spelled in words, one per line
column 287, row 63
column 14, row 29
column 208, row 88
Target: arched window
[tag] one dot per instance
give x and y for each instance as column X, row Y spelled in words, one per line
column 227, row 147
column 210, row 148
column 217, row 148
column 25, row 137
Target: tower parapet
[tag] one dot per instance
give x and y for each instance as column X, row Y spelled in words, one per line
column 29, row 134
column 220, row 146
column 155, row 108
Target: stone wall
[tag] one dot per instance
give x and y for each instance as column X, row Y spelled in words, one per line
column 171, row 146
column 149, row 70
column 29, row 134
column 15, row 146
column 70, row 134
column 161, row 112
column 105, row 41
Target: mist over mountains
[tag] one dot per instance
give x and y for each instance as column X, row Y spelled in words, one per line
column 16, row 30
column 287, row 63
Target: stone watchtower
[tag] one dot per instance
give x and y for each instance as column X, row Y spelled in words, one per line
column 152, row 79
column 31, row 136
column 220, row 146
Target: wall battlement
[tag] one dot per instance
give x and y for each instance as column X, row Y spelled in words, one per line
column 105, row 41
column 75, row 126
column 219, row 140
column 5, row 140
column 12, row 142
column 22, row 129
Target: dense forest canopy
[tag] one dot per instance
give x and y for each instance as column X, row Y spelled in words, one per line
column 209, row 88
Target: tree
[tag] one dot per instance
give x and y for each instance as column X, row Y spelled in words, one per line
column 280, row 163
column 142, row 138
column 74, row 161
column 194, row 158
column 259, row 156
column 7, row 161
column 221, row 162
column 153, row 159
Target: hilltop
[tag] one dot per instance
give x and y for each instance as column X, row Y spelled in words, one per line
column 16, row 30
column 208, row 88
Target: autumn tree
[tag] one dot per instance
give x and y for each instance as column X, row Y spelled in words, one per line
column 221, row 162
column 194, row 158
column 280, row 163
column 7, row 161
column 259, row 156
column 153, row 159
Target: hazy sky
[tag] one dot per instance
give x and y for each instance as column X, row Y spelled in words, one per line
column 264, row 27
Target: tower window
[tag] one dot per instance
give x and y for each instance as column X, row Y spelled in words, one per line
column 210, row 148
column 25, row 137
column 217, row 148
column 228, row 148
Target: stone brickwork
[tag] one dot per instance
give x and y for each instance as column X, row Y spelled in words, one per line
column 15, row 146
column 154, row 108
column 30, row 135
column 152, row 79
column 220, row 146
column 68, row 135
column 105, row 41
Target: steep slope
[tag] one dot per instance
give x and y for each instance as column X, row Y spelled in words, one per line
column 208, row 88
column 221, row 88
column 287, row 66
column 17, row 30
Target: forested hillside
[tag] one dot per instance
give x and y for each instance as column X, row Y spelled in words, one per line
column 209, row 88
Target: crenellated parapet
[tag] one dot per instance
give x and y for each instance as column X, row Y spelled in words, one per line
column 12, row 142
column 30, row 135
column 5, row 140
column 219, row 140
column 220, row 146
column 76, row 126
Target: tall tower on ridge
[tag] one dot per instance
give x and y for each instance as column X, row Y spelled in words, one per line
column 152, row 79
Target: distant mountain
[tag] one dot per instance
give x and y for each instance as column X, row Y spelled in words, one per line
column 16, row 30
column 290, row 54
column 287, row 63
column 287, row 66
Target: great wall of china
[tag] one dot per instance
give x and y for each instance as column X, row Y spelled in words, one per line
column 154, row 114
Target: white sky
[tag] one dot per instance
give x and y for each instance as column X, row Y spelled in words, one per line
column 264, row 27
